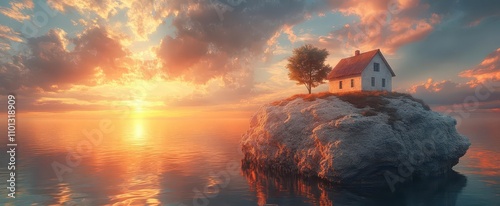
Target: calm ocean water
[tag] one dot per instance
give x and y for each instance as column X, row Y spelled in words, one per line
column 197, row 162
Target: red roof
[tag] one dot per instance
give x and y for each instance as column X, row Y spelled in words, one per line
column 353, row 66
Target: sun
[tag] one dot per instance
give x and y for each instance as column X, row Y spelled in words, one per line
column 138, row 106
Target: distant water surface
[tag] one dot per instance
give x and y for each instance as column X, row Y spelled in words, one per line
column 197, row 162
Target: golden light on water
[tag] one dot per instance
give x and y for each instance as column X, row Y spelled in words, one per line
column 64, row 193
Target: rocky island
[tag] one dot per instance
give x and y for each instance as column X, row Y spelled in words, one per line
column 353, row 138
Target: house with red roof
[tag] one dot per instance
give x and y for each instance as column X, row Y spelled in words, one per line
column 368, row 71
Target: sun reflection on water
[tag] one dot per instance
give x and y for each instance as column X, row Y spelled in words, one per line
column 64, row 193
column 139, row 133
column 140, row 176
column 159, row 162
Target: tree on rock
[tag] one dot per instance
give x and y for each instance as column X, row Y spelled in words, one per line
column 307, row 66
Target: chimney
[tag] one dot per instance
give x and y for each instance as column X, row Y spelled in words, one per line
column 356, row 53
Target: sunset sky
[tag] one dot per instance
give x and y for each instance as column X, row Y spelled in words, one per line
column 181, row 56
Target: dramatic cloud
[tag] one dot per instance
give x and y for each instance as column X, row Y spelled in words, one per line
column 16, row 10
column 443, row 92
column 7, row 37
column 231, row 51
column 215, row 38
column 144, row 16
column 212, row 38
column 456, row 98
column 489, row 69
column 482, row 89
column 103, row 8
column 386, row 24
column 7, row 33
column 51, row 66
column 391, row 24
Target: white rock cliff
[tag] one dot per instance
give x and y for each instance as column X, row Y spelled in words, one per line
column 353, row 138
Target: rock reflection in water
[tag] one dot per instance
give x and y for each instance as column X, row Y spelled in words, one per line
column 286, row 189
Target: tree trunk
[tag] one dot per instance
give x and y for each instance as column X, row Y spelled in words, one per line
column 310, row 81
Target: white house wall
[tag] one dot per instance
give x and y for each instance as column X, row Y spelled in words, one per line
column 346, row 85
column 384, row 72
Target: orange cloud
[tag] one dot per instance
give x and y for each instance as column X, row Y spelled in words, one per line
column 16, row 10
column 50, row 66
column 483, row 96
column 8, row 34
column 289, row 31
column 103, row 8
column 386, row 24
column 489, row 69
column 212, row 43
column 141, row 19
column 483, row 87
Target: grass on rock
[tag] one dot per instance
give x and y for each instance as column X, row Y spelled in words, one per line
column 376, row 101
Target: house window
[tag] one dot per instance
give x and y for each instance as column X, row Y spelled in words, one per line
column 376, row 67
column 383, row 82
column 373, row 81
column 340, row 84
column 352, row 82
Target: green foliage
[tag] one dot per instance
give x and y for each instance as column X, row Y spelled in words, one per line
column 307, row 66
